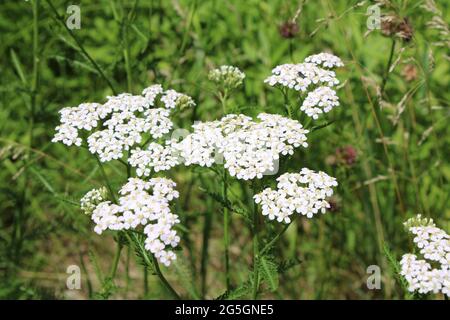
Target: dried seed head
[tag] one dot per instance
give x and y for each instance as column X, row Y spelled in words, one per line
column 394, row 26
column 288, row 29
column 409, row 72
column 346, row 155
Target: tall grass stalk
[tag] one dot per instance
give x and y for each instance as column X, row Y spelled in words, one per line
column 60, row 18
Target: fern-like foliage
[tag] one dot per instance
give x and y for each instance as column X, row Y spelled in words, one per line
column 144, row 258
column 185, row 276
column 268, row 269
column 238, row 292
column 219, row 198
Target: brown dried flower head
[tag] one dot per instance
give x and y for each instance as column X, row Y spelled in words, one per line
column 394, row 26
column 289, row 29
column 409, row 72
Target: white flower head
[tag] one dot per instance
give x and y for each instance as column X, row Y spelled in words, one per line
column 312, row 78
column 301, row 77
column 321, row 100
column 229, row 77
column 92, row 198
column 304, row 192
column 121, row 121
column 431, row 274
column 248, row 149
column 326, row 60
column 142, row 203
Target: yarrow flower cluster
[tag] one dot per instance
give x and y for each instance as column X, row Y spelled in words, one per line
column 326, row 60
column 304, row 192
column 156, row 157
column 142, row 203
column 321, row 100
column 229, row 77
column 249, row 149
column 91, row 199
column 125, row 119
column 312, row 77
column 434, row 245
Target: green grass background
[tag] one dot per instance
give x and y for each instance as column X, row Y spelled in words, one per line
column 402, row 168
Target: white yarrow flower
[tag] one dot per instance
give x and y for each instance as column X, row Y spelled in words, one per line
column 248, row 149
column 143, row 203
column 305, row 193
column 121, row 121
column 434, row 246
column 312, row 78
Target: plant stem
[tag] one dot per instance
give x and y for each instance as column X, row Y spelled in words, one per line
column 116, row 261
column 226, row 225
column 255, row 251
column 105, row 178
column 286, row 103
column 35, row 79
column 226, row 214
column 78, row 42
column 275, row 239
column 164, row 280
column 205, row 245
column 223, row 101
column 388, row 67
column 21, row 217
column 145, row 281
column 127, row 271
column 126, row 20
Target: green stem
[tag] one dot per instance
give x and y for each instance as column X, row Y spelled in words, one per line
column 145, row 281
column 226, row 225
column 286, row 103
column 35, row 79
column 255, row 251
column 275, row 239
column 127, row 271
column 388, row 67
column 116, row 261
column 223, row 100
column 226, row 214
column 78, row 42
column 20, row 219
column 205, row 245
column 105, row 178
column 126, row 20
column 164, row 280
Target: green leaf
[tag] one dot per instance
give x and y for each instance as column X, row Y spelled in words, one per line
column 185, row 276
column 321, row 126
column 108, row 289
column 236, row 293
column 18, row 67
column 285, row 265
column 395, row 267
column 218, row 197
column 43, row 180
column 142, row 254
column 268, row 269
column 98, row 272
column 48, row 185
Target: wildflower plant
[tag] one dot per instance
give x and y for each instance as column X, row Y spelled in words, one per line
column 313, row 79
column 238, row 149
column 249, row 150
column 128, row 128
column 432, row 273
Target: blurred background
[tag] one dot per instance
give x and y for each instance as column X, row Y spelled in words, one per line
column 387, row 145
